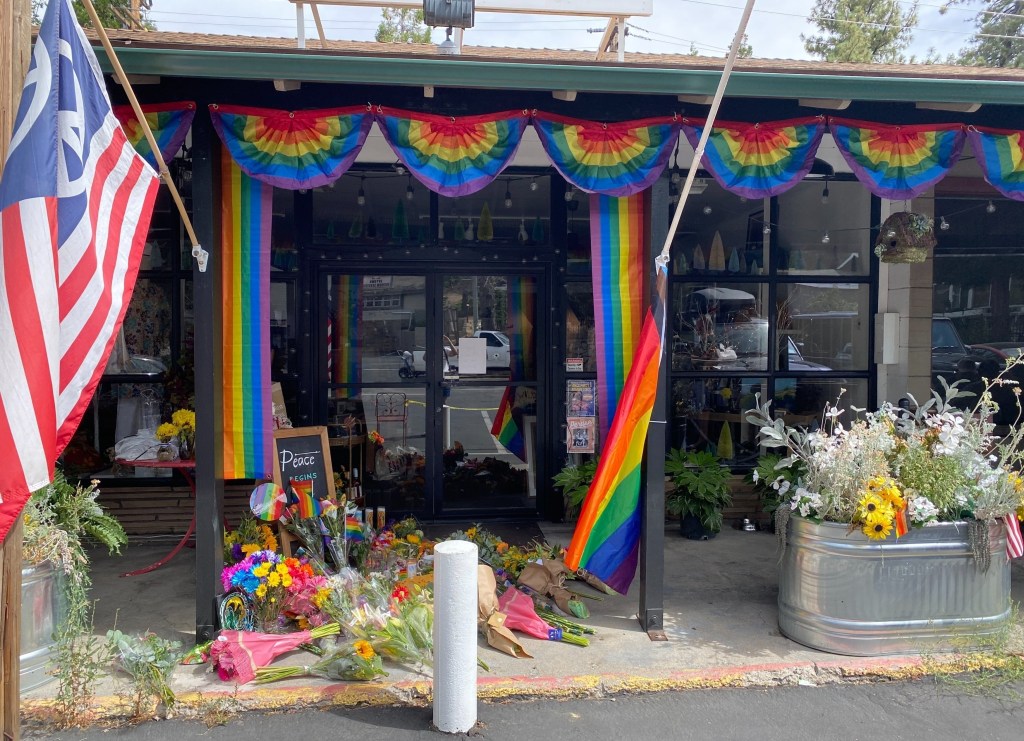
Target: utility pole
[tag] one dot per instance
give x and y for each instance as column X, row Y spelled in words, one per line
column 15, row 51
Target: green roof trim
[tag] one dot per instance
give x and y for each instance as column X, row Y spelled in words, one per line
column 467, row 72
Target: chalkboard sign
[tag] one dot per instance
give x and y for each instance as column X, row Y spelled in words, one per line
column 303, row 454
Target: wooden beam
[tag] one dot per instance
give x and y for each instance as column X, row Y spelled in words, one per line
column 428, row 91
column 696, row 99
column 829, row 104
column 954, row 107
column 566, row 95
column 138, row 79
column 598, row 8
column 15, row 51
column 319, row 25
column 286, row 86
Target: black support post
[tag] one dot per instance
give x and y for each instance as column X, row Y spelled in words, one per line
column 206, row 289
column 652, row 538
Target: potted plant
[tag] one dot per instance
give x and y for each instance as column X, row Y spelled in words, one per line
column 772, row 479
column 895, row 532
column 700, row 493
column 574, row 481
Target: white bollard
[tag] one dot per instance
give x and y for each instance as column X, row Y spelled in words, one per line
column 455, row 636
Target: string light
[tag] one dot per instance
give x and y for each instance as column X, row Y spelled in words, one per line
column 399, row 168
column 409, row 193
column 824, row 192
column 570, row 193
column 825, row 238
column 990, row 208
column 767, row 229
column 943, row 224
column 533, row 185
column 707, row 210
column 508, row 195
column 361, row 195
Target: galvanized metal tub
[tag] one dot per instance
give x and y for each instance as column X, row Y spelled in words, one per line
column 846, row 594
column 42, row 610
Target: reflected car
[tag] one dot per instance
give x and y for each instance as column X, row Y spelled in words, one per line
column 750, row 341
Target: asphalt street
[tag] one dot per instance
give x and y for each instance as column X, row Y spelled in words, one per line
column 895, row 711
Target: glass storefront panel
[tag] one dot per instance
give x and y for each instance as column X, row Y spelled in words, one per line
column 720, row 234
column 819, row 235
column 708, row 414
column 801, row 400
column 511, row 210
column 823, row 326
column 580, row 339
column 371, row 207
column 719, row 326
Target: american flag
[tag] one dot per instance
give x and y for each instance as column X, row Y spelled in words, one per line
column 75, row 205
column 1014, row 539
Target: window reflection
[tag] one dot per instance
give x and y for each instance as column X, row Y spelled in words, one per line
column 719, row 327
column 800, row 401
column 709, row 414
column 580, row 340
column 804, row 221
column 511, row 210
column 823, row 326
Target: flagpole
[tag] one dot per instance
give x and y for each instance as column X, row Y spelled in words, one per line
column 663, row 257
column 197, row 251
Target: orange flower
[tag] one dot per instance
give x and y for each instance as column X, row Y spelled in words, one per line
column 364, row 649
column 502, row 547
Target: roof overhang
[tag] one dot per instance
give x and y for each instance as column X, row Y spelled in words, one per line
column 466, row 72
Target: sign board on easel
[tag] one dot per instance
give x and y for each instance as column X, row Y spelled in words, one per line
column 303, row 454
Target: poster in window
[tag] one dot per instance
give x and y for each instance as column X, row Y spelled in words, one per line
column 580, row 398
column 580, row 434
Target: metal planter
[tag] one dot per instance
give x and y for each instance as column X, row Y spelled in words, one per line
column 846, row 594
column 42, row 610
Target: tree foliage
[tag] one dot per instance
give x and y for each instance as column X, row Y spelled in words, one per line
column 998, row 40
column 112, row 13
column 861, row 30
column 403, row 25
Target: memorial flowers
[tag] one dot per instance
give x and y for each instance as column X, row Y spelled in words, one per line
column 891, row 470
column 276, row 586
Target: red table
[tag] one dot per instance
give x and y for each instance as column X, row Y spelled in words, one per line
column 186, row 468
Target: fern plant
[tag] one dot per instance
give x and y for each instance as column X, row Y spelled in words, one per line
column 701, row 487
column 574, row 481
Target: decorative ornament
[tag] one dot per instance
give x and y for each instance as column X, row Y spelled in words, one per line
column 400, row 226
column 538, row 231
column 469, row 232
column 698, row 258
column 734, row 261
column 460, row 231
column 912, row 236
column 725, row 447
column 716, row 261
column 523, row 236
column 440, row 230
column 356, row 230
column 486, row 231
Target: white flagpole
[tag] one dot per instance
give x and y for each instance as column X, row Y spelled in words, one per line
column 663, row 257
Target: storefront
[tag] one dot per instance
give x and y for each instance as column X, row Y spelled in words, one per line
column 435, row 320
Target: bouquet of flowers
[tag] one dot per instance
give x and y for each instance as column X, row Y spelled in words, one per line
column 892, row 470
column 239, row 654
column 375, row 438
column 276, row 585
column 345, row 662
column 250, row 536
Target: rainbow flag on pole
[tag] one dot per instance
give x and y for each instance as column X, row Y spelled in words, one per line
column 617, row 236
column 607, row 538
column 245, row 251
column 505, row 427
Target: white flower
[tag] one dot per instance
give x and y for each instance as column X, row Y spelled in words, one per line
column 756, row 476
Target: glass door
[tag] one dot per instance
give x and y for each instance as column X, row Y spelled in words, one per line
column 431, row 390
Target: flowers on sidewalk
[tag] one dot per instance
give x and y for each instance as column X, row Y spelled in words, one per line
column 238, row 654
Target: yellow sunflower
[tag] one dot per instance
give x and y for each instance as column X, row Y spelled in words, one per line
column 261, row 571
column 877, row 526
column 364, row 649
column 871, row 504
column 273, row 579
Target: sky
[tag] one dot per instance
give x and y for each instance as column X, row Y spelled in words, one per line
column 774, row 29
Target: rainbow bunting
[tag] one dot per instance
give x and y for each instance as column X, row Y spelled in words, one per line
column 759, row 160
column 169, row 123
column 607, row 537
column 505, row 428
column 1001, row 155
column 245, row 257
column 616, row 159
column 353, row 529
column 453, row 156
column 898, row 162
column 292, row 149
column 307, row 505
column 345, row 329
column 617, row 236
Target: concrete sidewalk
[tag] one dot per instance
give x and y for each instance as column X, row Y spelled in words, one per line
column 720, row 619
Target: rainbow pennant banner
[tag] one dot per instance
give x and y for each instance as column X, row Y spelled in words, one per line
column 607, row 537
column 618, row 241
column 345, row 328
column 245, row 252
column 616, row 159
column 898, row 162
column 292, row 149
column 1000, row 153
column 759, row 160
column 453, row 156
column 169, row 123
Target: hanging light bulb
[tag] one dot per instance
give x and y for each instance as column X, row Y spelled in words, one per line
column 508, row 196
column 676, row 176
column 409, row 192
column 399, row 168
column 570, row 193
column 767, row 229
column 825, row 238
column 533, row 185
column 824, row 193
column 943, row 224
column 706, row 210
column 990, row 208
column 361, row 195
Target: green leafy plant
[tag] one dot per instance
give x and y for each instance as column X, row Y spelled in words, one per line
column 772, row 480
column 80, row 659
column 574, row 481
column 149, row 660
column 701, row 487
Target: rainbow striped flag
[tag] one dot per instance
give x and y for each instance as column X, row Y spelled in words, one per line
column 353, row 529
column 618, row 239
column 607, row 538
column 307, row 505
column 169, row 122
column 505, row 427
column 345, row 328
column 245, row 251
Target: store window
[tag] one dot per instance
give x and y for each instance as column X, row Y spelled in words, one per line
column 511, row 210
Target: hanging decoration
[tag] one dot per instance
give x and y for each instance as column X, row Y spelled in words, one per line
column 615, row 159
column 246, row 208
column 759, row 160
column 453, row 156
column 346, row 324
column 292, row 149
column 617, row 235
column 169, row 122
column 521, row 303
column 400, row 224
column 898, row 162
column 485, row 232
column 905, row 237
column 1000, row 152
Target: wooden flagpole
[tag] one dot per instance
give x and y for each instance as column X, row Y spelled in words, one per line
column 197, row 251
column 15, row 52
